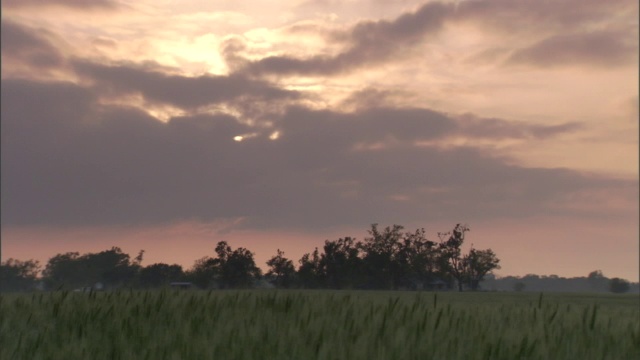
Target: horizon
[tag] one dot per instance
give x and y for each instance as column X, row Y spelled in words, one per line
column 186, row 261
column 169, row 126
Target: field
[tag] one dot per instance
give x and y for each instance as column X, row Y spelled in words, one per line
column 269, row 324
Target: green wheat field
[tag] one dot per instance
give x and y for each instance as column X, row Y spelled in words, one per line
column 304, row 324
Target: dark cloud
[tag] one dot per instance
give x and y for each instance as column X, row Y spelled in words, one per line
column 66, row 160
column 371, row 97
column 104, row 42
column 181, row 91
column 526, row 16
column 28, row 46
column 75, row 4
column 369, row 42
column 492, row 128
column 368, row 125
column 567, row 25
column 599, row 48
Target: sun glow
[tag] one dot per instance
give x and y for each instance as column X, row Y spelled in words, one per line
column 242, row 137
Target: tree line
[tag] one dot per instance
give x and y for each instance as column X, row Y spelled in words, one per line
column 387, row 258
column 594, row 282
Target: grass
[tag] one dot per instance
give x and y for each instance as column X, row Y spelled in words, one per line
column 269, row 324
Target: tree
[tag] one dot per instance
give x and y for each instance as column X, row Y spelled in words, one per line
column 416, row 258
column 595, row 275
column 450, row 258
column 16, row 275
column 65, row 271
column 202, row 273
column 159, row 274
column 310, row 273
column 469, row 268
column 618, row 286
column 519, row 286
column 112, row 268
column 340, row 263
column 478, row 264
column 381, row 264
column 240, row 270
column 235, row 268
column 282, row 269
column 597, row 281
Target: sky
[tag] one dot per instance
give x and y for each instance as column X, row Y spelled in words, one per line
column 171, row 125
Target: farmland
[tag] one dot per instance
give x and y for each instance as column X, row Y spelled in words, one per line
column 297, row 324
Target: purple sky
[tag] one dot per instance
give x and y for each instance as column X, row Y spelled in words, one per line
column 170, row 125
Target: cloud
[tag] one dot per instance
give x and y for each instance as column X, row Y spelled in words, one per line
column 560, row 33
column 599, row 48
column 185, row 92
column 22, row 45
column 372, row 124
column 567, row 26
column 105, row 42
column 369, row 42
column 532, row 16
column 74, row 4
column 492, row 128
column 67, row 160
column 371, row 97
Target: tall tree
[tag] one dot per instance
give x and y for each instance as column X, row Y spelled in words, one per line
column 240, row 271
column 159, row 274
column 597, row 281
column 451, row 260
column 310, row 274
column 282, row 270
column 235, row 268
column 112, row 268
column 203, row 272
column 618, row 286
column 417, row 257
column 65, row 271
column 341, row 264
column 380, row 257
column 16, row 275
column 479, row 263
